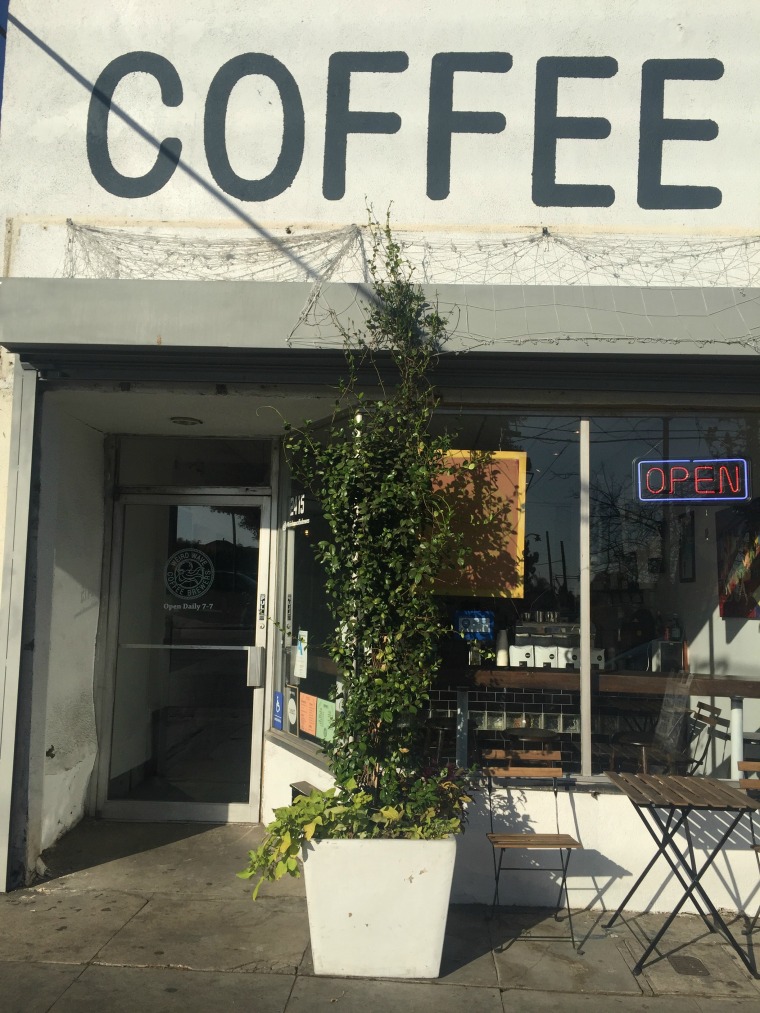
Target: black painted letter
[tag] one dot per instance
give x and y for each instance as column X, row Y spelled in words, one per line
column 98, row 154
column 215, row 127
column 654, row 129
column 547, row 192
column 443, row 120
column 341, row 121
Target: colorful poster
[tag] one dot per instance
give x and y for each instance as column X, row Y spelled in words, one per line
column 737, row 532
column 307, row 713
column 325, row 720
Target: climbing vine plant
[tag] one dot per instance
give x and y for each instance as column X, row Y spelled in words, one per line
column 374, row 473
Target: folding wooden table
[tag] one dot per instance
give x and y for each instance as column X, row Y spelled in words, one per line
column 665, row 804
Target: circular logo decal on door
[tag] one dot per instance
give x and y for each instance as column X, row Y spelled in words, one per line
column 189, row 573
column 292, row 711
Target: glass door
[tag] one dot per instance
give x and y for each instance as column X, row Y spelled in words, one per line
column 188, row 658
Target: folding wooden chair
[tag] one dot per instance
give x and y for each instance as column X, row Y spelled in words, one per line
column 502, row 843
column 662, row 747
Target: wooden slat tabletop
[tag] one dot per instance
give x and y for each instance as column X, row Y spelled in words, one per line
column 670, row 791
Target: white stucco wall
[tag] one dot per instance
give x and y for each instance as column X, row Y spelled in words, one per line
column 55, row 55
column 281, row 769
column 616, row 849
column 63, row 742
column 491, row 173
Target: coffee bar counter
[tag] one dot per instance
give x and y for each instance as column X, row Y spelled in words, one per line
column 617, row 686
column 644, row 683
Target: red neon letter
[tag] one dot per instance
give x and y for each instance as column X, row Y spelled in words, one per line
column 723, row 471
column 655, row 492
column 709, row 478
column 673, row 479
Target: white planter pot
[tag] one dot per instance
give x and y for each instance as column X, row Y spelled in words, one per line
column 378, row 908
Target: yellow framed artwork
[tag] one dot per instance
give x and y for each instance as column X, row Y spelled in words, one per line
column 488, row 501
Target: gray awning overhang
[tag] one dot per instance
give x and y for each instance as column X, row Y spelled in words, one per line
column 503, row 337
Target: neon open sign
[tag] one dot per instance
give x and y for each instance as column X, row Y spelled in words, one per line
column 722, row 479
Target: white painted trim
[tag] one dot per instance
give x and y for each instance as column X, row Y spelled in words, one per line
column 263, row 640
column 14, row 580
column 274, row 634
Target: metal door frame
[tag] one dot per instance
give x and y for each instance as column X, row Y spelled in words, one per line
column 201, row 812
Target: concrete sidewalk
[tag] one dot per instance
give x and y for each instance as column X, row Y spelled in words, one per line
column 151, row 918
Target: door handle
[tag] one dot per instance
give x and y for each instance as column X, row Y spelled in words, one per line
column 256, row 667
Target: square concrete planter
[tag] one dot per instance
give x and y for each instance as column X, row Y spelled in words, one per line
column 378, row 908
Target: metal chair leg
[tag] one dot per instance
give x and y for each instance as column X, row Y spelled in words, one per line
column 564, row 857
column 751, row 927
column 497, row 874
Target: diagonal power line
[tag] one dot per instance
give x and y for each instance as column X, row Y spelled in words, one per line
column 188, row 170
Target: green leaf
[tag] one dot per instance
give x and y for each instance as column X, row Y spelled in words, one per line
column 285, row 842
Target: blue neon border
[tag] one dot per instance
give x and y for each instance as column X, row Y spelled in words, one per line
column 694, row 499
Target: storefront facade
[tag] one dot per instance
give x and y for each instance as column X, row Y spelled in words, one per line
column 181, row 202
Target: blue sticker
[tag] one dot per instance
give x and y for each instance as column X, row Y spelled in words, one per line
column 277, row 711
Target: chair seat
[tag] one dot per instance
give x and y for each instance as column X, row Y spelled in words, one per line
column 533, row 841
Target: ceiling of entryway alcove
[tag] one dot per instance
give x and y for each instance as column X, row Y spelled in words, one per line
column 149, row 411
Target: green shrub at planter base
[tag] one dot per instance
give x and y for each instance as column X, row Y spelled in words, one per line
column 430, row 807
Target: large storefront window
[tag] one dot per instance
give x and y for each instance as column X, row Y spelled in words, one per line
column 523, row 609
column 517, row 640
column 673, row 586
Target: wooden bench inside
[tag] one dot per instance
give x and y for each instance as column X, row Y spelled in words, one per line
column 750, row 767
column 515, row 772
column 523, row 762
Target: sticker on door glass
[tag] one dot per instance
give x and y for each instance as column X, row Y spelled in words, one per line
column 189, row 573
column 302, row 655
